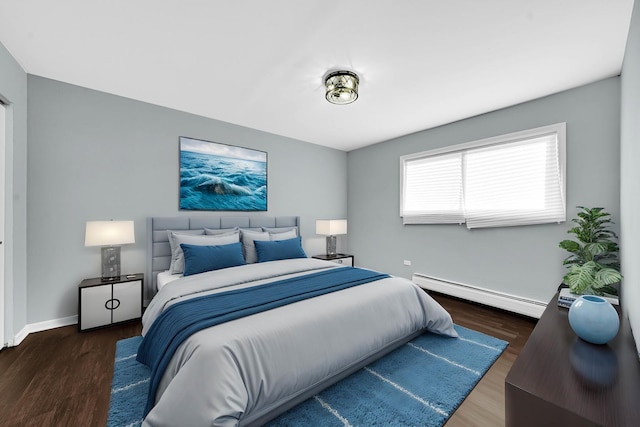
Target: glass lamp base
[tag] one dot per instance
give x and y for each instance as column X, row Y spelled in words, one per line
column 111, row 263
column 331, row 245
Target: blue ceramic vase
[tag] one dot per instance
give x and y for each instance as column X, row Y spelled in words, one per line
column 594, row 319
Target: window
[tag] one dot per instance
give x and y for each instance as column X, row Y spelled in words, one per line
column 514, row 179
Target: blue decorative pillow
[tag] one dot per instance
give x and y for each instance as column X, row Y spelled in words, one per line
column 279, row 249
column 176, row 239
column 198, row 259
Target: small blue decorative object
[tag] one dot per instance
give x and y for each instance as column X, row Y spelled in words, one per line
column 594, row 319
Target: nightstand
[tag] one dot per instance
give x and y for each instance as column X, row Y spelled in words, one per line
column 344, row 259
column 104, row 303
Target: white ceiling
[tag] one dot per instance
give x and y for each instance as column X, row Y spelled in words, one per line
column 260, row 63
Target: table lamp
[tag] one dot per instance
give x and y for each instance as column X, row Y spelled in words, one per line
column 109, row 235
column 331, row 228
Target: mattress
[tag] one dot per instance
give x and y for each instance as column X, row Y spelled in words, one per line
column 166, row 277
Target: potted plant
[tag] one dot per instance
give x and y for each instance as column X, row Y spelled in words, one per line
column 593, row 263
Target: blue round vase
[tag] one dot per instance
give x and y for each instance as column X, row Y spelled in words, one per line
column 594, row 319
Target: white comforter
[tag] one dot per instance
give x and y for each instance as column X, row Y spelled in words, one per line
column 237, row 372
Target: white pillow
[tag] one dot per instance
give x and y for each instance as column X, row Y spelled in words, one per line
column 175, row 239
column 247, row 237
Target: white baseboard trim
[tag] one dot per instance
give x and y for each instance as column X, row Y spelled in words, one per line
column 488, row 297
column 20, row 336
column 43, row 326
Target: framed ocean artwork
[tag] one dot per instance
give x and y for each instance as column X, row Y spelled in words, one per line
column 221, row 177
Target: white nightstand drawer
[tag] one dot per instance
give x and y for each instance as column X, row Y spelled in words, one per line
column 344, row 261
column 92, row 303
column 130, row 296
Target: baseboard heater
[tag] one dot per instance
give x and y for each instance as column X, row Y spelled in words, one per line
column 500, row 300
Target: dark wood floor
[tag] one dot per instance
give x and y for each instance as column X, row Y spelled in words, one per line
column 62, row 377
column 485, row 405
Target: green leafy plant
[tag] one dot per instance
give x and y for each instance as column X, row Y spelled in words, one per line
column 593, row 265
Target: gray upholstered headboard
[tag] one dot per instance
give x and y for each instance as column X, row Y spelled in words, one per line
column 159, row 251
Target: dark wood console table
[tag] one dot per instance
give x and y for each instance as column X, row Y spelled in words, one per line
column 560, row 380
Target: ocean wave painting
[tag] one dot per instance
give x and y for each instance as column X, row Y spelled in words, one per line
column 220, row 177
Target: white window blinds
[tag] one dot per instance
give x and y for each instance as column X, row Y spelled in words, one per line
column 514, row 179
column 433, row 190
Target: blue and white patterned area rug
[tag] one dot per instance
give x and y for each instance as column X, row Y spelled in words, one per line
column 421, row 383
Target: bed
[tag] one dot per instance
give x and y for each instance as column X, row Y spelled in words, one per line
column 245, row 365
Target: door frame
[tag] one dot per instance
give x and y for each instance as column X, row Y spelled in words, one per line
column 3, row 134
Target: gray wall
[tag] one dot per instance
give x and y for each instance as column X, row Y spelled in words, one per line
column 13, row 89
column 99, row 156
column 95, row 156
column 523, row 261
column 630, row 175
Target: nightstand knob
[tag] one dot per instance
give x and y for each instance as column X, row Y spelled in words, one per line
column 112, row 304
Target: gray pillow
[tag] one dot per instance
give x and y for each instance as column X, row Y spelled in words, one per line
column 275, row 230
column 291, row 234
column 177, row 258
column 218, row 231
column 172, row 244
column 247, row 238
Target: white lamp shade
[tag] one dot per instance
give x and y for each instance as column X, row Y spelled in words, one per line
column 107, row 233
column 331, row 227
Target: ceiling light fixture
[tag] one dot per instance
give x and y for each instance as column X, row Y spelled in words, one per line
column 342, row 87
